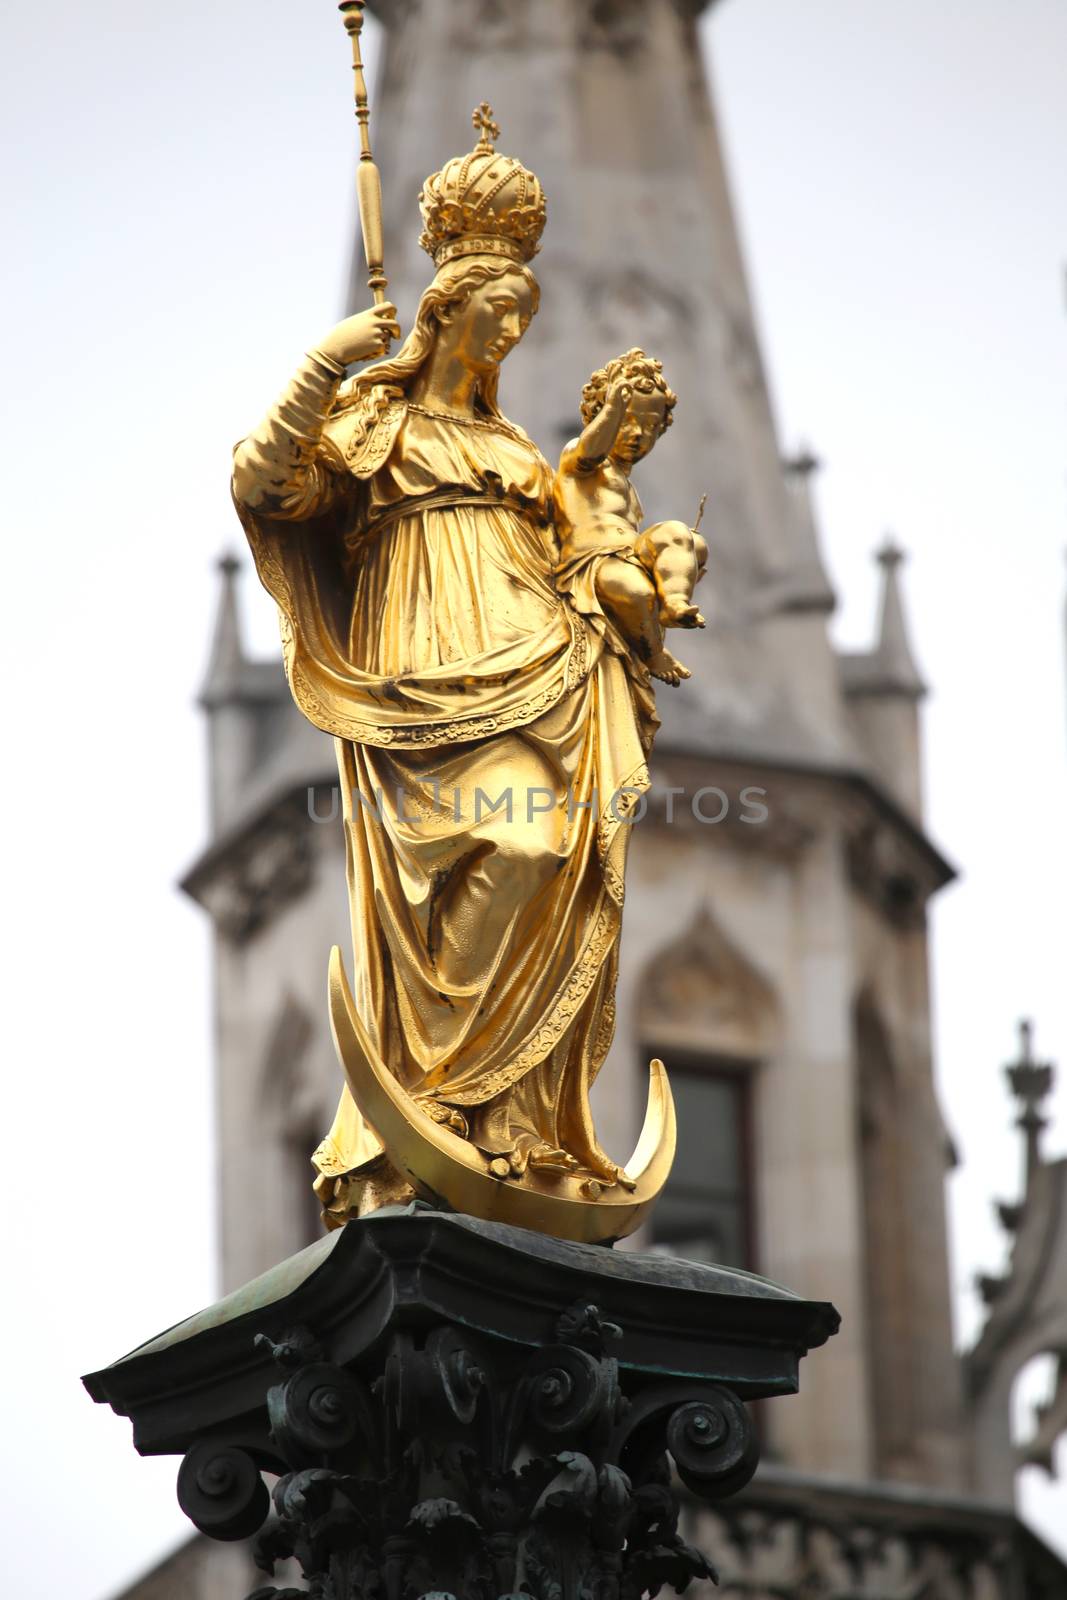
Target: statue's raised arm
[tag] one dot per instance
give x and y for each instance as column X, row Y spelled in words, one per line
column 283, row 468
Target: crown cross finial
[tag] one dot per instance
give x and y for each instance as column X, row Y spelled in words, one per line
column 482, row 118
column 482, row 203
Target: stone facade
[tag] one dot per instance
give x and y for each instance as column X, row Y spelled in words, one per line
column 775, row 941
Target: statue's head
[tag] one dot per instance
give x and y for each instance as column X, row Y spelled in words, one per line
column 481, row 306
column 650, row 407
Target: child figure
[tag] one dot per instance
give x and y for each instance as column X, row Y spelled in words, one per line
column 642, row 579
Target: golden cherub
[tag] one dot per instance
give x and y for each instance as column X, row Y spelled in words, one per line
column 643, row 578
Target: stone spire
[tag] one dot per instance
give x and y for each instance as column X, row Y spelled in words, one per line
column 227, row 659
column 893, row 668
column 888, row 669
column 882, row 688
column 807, row 587
column 246, row 704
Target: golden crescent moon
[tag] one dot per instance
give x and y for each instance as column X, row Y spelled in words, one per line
column 440, row 1166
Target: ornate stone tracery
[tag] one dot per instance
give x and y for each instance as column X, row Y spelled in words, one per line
column 1027, row 1312
column 782, row 1540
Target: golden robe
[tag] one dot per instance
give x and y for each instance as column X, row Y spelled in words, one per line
column 491, row 750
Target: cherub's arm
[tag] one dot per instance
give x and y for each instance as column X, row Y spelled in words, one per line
column 599, row 435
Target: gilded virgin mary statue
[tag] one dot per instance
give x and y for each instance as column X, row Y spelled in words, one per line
column 491, row 736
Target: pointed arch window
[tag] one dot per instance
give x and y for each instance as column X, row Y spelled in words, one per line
column 705, row 1008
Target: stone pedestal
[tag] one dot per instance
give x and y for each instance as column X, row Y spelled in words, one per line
column 454, row 1406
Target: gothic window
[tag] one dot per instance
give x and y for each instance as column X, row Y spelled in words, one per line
column 706, row 1213
column 702, row 987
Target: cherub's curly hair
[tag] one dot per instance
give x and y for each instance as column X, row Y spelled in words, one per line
column 644, row 372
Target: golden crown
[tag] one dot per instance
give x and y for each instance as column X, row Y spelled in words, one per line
column 483, row 203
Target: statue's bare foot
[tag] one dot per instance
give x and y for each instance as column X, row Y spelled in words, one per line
column 509, row 1164
column 667, row 667
column 608, row 1172
column 677, row 612
column 446, row 1117
column 548, row 1158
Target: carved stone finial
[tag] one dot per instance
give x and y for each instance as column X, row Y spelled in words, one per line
column 1030, row 1081
column 803, row 462
column 890, row 554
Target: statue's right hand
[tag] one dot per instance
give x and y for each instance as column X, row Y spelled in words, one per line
column 618, row 396
column 359, row 338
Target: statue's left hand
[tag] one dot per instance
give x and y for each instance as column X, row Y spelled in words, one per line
column 359, row 338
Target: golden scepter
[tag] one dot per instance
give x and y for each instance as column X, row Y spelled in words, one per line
column 368, row 178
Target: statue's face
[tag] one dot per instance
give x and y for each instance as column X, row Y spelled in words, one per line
column 492, row 319
column 641, row 426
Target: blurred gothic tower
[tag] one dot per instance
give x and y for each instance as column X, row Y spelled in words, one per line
column 775, row 943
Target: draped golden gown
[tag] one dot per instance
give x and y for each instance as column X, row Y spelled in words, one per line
column 491, row 747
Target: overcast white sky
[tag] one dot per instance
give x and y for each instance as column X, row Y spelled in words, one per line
column 179, row 179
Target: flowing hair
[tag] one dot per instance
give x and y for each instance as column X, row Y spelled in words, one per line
column 452, row 284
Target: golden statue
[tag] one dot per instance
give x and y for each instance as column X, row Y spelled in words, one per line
column 490, row 699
